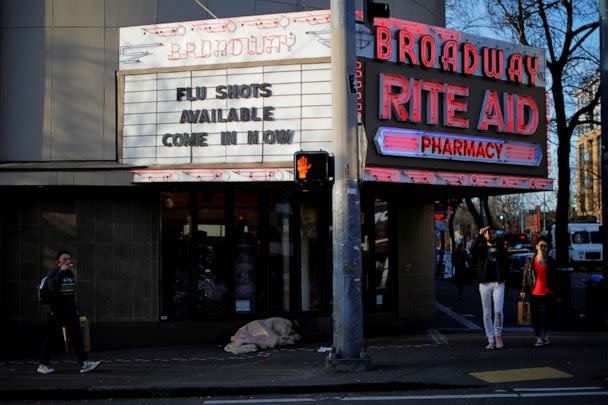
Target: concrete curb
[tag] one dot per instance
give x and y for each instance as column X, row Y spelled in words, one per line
column 197, row 391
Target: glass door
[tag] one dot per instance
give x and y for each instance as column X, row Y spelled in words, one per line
column 381, row 257
column 212, row 278
column 280, row 254
column 194, row 277
column 230, row 252
column 315, row 252
column 247, row 260
column 175, row 276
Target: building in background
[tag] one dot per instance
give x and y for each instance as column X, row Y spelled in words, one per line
column 588, row 159
column 588, row 174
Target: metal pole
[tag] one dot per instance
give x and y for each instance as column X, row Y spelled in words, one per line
column 604, row 119
column 348, row 352
column 521, row 213
column 544, row 230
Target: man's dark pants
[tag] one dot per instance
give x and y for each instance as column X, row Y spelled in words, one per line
column 53, row 330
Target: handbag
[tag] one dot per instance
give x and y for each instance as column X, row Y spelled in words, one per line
column 85, row 330
column 523, row 313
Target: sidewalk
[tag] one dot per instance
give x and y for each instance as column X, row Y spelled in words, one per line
column 441, row 355
column 420, row 360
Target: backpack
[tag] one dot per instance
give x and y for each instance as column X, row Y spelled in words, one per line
column 44, row 292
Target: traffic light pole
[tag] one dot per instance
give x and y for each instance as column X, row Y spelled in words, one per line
column 348, row 352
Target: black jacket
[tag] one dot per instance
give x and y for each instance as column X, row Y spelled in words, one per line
column 528, row 280
column 62, row 288
column 491, row 262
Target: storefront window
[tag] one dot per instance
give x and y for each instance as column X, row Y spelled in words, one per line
column 208, row 255
column 233, row 252
column 381, row 254
column 247, row 226
column 176, row 225
column 312, row 256
column 280, row 254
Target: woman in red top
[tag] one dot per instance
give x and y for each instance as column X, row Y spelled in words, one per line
column 539, row 281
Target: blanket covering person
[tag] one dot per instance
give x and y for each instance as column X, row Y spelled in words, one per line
column 262, row 334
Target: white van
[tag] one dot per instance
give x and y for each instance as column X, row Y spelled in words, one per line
column 585, row 244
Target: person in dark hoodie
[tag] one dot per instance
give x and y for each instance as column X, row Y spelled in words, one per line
column 491, row 259
column 61, row 290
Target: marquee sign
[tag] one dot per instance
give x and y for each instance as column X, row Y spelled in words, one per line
column 440, row 100
column 231, row 92
column 230, row 40
column 226, row 116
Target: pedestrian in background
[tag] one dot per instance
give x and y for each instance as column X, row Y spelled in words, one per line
column 460, row 268
column 491, row 259
column 538, row 281
column 59, row 288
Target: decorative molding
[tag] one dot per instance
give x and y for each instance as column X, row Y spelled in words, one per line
column 211, row 175
column 428, row 177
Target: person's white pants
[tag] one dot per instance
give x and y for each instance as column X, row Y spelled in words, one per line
column 492, row 293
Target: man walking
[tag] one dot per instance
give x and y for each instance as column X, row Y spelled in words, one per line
column 60, row 289
column 491, row 258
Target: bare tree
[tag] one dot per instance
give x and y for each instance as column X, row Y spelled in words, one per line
column 484, row 206
column 509, row 207
column 567, row 30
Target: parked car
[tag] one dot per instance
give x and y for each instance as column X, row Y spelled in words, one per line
column 526, row 246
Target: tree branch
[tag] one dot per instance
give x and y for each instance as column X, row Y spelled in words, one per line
column 474, row 213
column 591, row 25
column 546, row 28
column 581, row 40
column 574, row 120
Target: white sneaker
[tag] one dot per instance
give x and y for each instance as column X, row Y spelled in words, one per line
column 89, row 366
column 42, row 369
column 539, row 342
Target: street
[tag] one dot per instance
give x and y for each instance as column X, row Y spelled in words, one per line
column 539, row 395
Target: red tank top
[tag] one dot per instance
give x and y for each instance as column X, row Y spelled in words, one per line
column 541, row 278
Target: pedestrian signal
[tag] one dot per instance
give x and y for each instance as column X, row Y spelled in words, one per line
column 312, row 168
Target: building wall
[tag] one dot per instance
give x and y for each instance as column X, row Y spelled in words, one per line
column 59, row 58
column 588, row 174
column 58, row 63
column 415, row 261
column 113, row 236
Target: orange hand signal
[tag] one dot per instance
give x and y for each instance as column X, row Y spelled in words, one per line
column 303, row 167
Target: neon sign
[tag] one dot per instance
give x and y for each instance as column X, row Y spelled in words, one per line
column 518, row 114
column 414, row 44
column 441, row 101
column 420, row 144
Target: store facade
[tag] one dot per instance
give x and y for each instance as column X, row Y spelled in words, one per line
column 194, row 225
